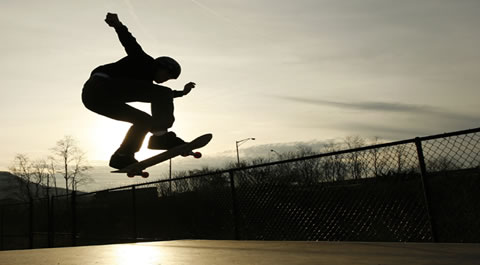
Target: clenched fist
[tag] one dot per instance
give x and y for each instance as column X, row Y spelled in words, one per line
column 112, row 20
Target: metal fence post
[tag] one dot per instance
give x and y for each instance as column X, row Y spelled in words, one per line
column 30, row 224
column 134, row 215
column 50, row 222
column 2, row 235
column 426, row 188
column 234, row 205
column 74, row 218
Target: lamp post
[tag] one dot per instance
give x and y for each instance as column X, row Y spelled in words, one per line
column 170, row 175
column 277, row 153
column 238, row 143
column 273, row 151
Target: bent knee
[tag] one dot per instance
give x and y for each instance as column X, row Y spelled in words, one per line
column 142, row 120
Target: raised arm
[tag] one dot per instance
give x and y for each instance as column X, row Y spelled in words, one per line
column 126, row 38
column 186, row 90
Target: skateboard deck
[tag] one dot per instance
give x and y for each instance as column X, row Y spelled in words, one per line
column 184, row 149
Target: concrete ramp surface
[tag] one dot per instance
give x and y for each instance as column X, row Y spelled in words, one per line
column 214, row 252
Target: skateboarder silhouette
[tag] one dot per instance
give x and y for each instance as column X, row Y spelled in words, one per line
column 130, row 79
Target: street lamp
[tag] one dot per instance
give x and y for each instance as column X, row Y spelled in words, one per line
column 238, row 143
column 170, row 176
column 278, row 154
column 273, row 151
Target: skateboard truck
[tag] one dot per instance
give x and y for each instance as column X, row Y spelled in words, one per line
column 144, row 174
column 197, row 155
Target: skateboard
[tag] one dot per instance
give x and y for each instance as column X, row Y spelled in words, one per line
column 186, row 149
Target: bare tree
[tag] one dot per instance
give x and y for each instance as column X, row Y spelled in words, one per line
column 33, row 176
column 40, row 176
column 22, row 168
column 378, row 161
column 333, row 168
column 441, row 164
column 309, row 169
column 52, row 173
column 400, row 155
column 73, row 163
column 80, row 167
column 44, row 174
column 357, row 164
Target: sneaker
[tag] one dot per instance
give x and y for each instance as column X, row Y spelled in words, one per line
column 120, row 161
column 164, row 142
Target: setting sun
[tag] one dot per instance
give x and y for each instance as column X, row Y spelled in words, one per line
column 106, row 135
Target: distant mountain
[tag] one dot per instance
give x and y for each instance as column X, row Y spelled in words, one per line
column 12, row 189
column 9, row 188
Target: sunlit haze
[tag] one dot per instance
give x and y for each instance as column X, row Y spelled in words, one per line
column 279, row 71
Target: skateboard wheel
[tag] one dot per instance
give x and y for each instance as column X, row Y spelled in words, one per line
column 197, row 155
column 145, row 174
column 130, row 175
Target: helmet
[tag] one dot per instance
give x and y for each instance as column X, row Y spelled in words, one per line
column 172, row 66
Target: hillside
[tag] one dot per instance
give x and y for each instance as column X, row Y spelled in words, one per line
column 11, row 190
column 9, row 187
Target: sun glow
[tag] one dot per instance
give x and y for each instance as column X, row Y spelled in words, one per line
column 138, row 254
column 106, row 135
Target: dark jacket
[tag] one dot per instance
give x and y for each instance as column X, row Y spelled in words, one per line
column 136, row 65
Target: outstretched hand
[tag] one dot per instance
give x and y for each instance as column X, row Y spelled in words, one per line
column 112, row 20
column 188, row 87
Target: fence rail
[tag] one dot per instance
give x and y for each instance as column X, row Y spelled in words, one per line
column 425, row 189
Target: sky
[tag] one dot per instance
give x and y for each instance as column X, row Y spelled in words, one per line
column 279, row 71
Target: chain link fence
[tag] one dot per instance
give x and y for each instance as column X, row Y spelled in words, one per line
column 453, row 182
column 359, row 196
column 419, row 190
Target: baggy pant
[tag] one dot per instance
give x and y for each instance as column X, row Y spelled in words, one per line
column 109, row 97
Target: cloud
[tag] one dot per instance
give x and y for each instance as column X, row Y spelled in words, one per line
column 389, row 120
column 366, row 105
column 387, row 132
column 376, row 106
